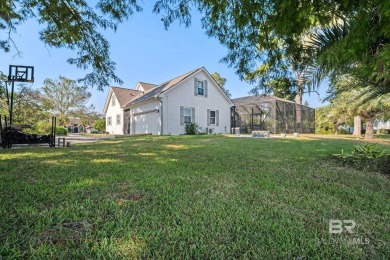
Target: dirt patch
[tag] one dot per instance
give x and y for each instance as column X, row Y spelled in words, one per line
column 65, row 233
column 130, row 197
column 176, row 146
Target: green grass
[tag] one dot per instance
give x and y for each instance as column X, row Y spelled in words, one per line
column 190, row 197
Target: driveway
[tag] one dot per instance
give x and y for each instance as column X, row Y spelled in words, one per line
column 78, row 139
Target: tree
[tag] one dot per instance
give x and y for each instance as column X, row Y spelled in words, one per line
column 74, row 25
column 280, row 87
column 359, row 103
column 254, row 32
column 357, row 44
column 372, row 110
column 28, row 107
column 87, row 115
column 258, row 37
column 62, row 97
column 221, row 82
column 100, row 125
column 357, row 126
column 3, row 103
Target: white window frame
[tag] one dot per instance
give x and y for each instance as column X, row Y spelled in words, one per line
column 113, row 101
column 118, row 119
column 214, row 117
column 201, row 85
column 109, row 120
column 184, row 114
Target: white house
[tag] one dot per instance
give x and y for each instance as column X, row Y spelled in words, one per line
column 165, row 109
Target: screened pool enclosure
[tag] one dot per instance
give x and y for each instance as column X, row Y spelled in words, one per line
column 272, row 114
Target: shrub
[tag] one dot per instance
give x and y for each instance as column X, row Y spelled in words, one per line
column 324, row 130
column 61, row 130
column 343, row 131
column 100, row 125
column 384, row 164
column 43, row 127
column 191, row 129
column 366, row 156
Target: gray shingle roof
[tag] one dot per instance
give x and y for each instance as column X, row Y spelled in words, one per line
column 147, row 86
column 154, row 92
column 125, row 95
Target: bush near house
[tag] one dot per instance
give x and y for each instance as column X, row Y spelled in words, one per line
column 191, row 129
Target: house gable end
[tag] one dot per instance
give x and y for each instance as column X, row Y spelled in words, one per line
column 108, row 100
column 191, row 79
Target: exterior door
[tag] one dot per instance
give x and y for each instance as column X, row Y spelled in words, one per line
column 126, row 121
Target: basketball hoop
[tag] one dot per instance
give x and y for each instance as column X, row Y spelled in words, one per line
column 18, row 73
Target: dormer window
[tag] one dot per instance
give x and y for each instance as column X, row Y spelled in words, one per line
column 113, row 100
column 200, row 88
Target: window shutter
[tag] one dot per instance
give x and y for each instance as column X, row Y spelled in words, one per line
column 217, row 117
column 205, row 89
column 195, row 86
column 181, row 115
column 193, row 115
column 208, row 117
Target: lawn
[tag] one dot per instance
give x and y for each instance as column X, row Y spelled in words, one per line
column 190, row 197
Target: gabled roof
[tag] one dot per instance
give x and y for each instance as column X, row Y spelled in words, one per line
column 123, row 95
column 127, row 97
column 154, row 92
column 147, row 86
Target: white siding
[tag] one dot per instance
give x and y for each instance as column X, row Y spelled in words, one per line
column 183, row 95
column 113, row 111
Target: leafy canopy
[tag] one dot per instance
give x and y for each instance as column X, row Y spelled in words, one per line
column 72, row 24
column 64, row 97
column 221, row 82
column 267, row 37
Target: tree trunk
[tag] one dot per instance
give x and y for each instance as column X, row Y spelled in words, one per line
column 298, row 101
column 369, row 129
column 336, row 129
column 357, row 126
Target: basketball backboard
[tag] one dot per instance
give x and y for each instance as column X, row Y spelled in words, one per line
column 20, row 73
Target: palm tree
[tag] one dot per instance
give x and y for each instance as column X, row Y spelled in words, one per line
column 358, row 102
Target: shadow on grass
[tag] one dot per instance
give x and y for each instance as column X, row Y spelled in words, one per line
column 186, row 197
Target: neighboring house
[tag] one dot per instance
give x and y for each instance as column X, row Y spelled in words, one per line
column 166, row 108
column 380, row 124
column 73, row 125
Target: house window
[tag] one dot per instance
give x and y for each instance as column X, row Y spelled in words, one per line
column 118, row 119
column 113, row 100
column 187, row 115
column 109, row 120
column 212, row 117
column 200, row 88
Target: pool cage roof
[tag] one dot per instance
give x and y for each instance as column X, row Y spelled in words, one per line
column 271, row 113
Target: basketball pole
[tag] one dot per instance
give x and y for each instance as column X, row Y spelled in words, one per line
column 12, row 101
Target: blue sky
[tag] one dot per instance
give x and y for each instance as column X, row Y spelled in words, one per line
column 143, row 51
